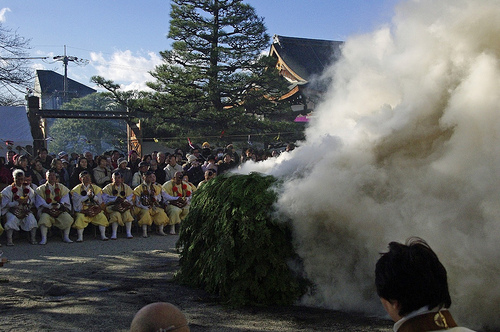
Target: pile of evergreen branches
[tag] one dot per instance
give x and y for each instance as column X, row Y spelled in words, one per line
column 232, row 246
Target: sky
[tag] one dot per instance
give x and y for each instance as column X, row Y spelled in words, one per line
column 122, row 39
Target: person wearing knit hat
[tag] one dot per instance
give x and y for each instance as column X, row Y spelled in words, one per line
column 62, row 155
column 205, row 150
column 138, row 176
column 122, row 161
column 193, row 169
column 126, row 173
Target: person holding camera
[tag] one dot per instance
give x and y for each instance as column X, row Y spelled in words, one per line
column 209, row 175
column 193, row 170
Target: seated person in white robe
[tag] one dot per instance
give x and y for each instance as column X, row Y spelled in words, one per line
column 53, row 204
column 87, row 201
column 17, row 201
column 118, row 198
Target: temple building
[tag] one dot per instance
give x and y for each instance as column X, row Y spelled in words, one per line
column 301, row 62
column 50, row 88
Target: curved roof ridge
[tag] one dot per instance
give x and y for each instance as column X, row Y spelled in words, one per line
column 306, row 57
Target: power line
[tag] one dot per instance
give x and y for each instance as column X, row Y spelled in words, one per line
column 26, row 58
column 66, row 59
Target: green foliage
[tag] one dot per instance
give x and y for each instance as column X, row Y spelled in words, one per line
column 97, row 135
column 215, row 78
column 130, row 100
column 231, row 245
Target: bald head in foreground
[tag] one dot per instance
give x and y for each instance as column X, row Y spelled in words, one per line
column 159, row 316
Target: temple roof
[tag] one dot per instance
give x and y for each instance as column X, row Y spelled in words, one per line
column 304, row 58
column 50, row 82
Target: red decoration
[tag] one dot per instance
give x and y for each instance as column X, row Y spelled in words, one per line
column 179, row 195
column 57, row 198
column 14, row 189
column 188, row 193
column 16, row 197
column 174, row 189
column 184, row 186
column 26, row 190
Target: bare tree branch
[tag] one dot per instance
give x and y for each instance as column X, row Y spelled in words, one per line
column 15, row 73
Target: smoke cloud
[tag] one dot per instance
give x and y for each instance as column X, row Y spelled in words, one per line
column 406, row 143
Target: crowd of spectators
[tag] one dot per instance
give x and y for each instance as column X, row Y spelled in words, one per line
column 193, row 168
column 194, row 164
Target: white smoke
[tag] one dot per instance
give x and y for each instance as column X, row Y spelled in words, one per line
column 406, row 143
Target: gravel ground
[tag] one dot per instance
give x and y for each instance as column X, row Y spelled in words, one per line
column 98, row 286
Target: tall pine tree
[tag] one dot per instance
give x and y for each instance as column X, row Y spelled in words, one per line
column 215, row 77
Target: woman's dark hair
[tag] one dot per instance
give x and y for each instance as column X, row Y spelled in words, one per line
column 80, row 159
column 412, row 274
column 21, row 157
column 98, row 161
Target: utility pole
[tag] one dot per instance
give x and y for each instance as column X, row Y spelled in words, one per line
column 65, row 60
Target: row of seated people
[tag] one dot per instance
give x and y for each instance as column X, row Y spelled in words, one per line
column 115, row 205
